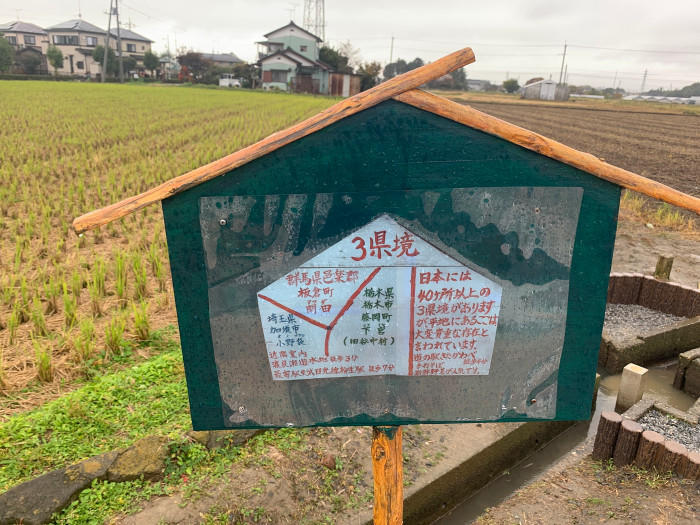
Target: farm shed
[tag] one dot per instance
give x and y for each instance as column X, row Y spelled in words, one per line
column 533, row 219
column 545, row 90
column 344, row 85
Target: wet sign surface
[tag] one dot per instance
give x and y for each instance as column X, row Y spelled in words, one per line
column 393, row 268
column 381, row 301
column 389, row 315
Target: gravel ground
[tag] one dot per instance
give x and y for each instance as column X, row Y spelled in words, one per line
column 634, row 320
column 672, row 428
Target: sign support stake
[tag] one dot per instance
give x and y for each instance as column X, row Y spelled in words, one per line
column 387, row 465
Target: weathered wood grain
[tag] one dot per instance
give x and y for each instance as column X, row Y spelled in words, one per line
column 663, row 267
column 627, row 442
column 387, row 464
column 650, row 450
column 674, row 458
column 606, row 437
column 692, row 466
column 342, row 109
column 550, row 148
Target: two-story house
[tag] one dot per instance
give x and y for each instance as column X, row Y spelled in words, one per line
column 288, row 61
column 77, row 40
column 133, row 45
column 27, row 39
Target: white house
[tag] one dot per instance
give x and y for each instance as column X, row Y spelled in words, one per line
column 289, row 61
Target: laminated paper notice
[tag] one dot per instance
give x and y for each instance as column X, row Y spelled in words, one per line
column 381, row 301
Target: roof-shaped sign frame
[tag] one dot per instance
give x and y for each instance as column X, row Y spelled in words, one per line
column 263, row 240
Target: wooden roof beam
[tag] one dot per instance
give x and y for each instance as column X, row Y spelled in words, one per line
column 551, row 148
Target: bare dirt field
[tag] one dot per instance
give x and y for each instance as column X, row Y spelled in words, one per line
column 661, row 146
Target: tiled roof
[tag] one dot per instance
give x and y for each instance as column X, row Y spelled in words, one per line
column 221, row 57
column 77, row 24
column 22, row 27
column 129, row 35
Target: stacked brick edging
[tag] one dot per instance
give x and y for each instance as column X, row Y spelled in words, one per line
column 663, row 296
column 645, row 290
column 623, row 439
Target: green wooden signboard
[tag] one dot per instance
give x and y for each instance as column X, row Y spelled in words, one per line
column 394, row 267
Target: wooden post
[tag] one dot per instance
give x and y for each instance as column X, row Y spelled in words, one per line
column 692, row 466
column 663, row 268
column 606, row 437
column 387, row 464
column 650, row 450
column 674, row 458
column 627, row 442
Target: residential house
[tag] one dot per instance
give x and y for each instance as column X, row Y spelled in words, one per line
column 288, row 60
column 27, row 39
column 22, row 34
column 133, row 45
column 224, row 60
column 77, row 39
column 169, row 67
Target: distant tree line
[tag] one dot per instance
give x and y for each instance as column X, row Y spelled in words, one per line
column 692, row 90
column 456, row 80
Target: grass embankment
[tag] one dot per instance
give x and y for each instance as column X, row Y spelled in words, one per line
column 109, row 412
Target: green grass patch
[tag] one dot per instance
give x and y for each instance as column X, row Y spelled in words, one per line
column 191, row 469
column 104, row 499
column 108, row 413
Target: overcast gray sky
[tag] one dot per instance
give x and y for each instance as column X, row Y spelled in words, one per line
column 509, row 38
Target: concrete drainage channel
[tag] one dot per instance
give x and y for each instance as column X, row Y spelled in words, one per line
column 475, row 454
column 648, row 320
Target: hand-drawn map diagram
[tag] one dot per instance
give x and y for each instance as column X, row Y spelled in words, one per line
column 381, row 301
column 445, row 304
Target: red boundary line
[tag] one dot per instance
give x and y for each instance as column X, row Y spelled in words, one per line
column 287, row 309
column 344, row 309
column 410, row 326
column 347, row 305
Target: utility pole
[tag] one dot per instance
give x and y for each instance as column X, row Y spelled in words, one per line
column 566, row 73
column 109, row 27
column 615, row 80
column 119, row 44
column 563, row 57
column 644, row 81
column 391, row 51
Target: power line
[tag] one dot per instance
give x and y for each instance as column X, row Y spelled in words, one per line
column 497, row 44
column 627, row 50
column 141, row 12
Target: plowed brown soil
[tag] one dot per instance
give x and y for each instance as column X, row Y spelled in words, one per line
column 662, row 147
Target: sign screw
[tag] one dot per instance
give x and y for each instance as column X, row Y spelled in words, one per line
column 222, row 222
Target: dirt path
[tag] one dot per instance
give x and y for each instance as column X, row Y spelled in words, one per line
column 590, row 492
column 637, row 249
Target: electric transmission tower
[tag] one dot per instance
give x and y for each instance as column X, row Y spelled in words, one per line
column 315, row 18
